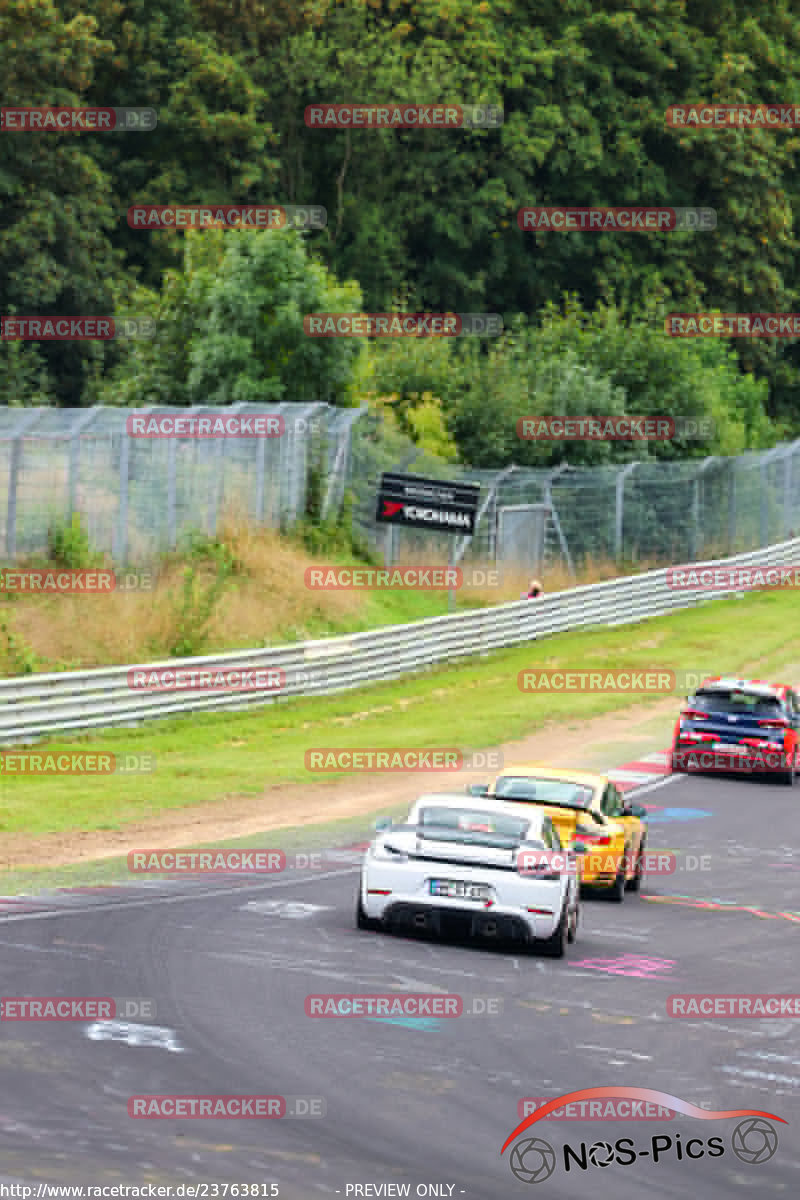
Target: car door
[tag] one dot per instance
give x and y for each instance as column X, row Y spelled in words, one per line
column 612, row 807
column 631, row 824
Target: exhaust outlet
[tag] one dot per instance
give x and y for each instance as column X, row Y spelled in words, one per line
column 490, row 928
column 420, row 920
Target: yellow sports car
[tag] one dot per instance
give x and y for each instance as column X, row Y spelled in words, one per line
column 591, row 816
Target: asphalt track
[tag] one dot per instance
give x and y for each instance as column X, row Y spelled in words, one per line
column 426, row 1102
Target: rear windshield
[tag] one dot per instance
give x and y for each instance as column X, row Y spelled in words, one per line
column 543, row 791
column 745, row 703
column 472, row 825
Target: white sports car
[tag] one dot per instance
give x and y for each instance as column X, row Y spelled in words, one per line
column 465, row 866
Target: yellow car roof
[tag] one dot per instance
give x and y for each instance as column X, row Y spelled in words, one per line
column 543, row 771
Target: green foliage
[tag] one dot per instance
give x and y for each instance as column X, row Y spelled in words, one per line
column 68, row 545
column 16, row 658
column 24, row 379
column 194, row 609
column 201, row 549
column 230, row 328
column 425, row 212
column 335, row 537
column 575, row 363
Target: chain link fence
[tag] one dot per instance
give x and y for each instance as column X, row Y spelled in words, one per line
column 138, row 496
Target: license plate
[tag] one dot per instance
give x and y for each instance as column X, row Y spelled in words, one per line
column 458, row 889
column 727, row 748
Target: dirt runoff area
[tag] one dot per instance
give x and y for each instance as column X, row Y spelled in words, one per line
column 596, row 744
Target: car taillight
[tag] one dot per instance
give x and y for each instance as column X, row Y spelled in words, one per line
column 695, row 714
column 595, row 839
column 774, row 723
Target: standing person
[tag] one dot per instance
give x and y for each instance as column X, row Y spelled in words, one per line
column 535, row 591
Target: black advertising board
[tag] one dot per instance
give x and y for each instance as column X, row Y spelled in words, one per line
column 420, row 503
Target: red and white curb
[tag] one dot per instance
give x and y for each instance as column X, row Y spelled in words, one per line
column 644, row 770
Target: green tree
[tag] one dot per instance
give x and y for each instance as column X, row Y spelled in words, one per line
column 230, row 328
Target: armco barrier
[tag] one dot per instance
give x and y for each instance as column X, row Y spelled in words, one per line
column 36, row 705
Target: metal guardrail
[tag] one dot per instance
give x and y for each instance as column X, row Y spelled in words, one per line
column 34, row 706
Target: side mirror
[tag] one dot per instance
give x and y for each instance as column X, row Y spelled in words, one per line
column 579, row 848
column 477, row 789
column 382, row 824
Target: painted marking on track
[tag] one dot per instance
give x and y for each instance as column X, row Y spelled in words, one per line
column 134, row 1035
column 636, row 965
column 769, row 1076
column 290, row 910
column 679, row 814
column 614, row 1050
column 710, row 905
column 421, row 1024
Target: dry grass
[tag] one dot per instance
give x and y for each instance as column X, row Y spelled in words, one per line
column 265, row 602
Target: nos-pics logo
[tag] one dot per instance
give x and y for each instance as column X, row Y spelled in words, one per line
column 533, row 1159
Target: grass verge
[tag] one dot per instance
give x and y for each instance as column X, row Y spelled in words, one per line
column 208, row 758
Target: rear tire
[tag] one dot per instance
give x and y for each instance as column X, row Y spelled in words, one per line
column 616, row 892
column 787, row 777
column 363, row 921
column 676, row 768
column 556, row 945
column 635, row 884
column 572, row 924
